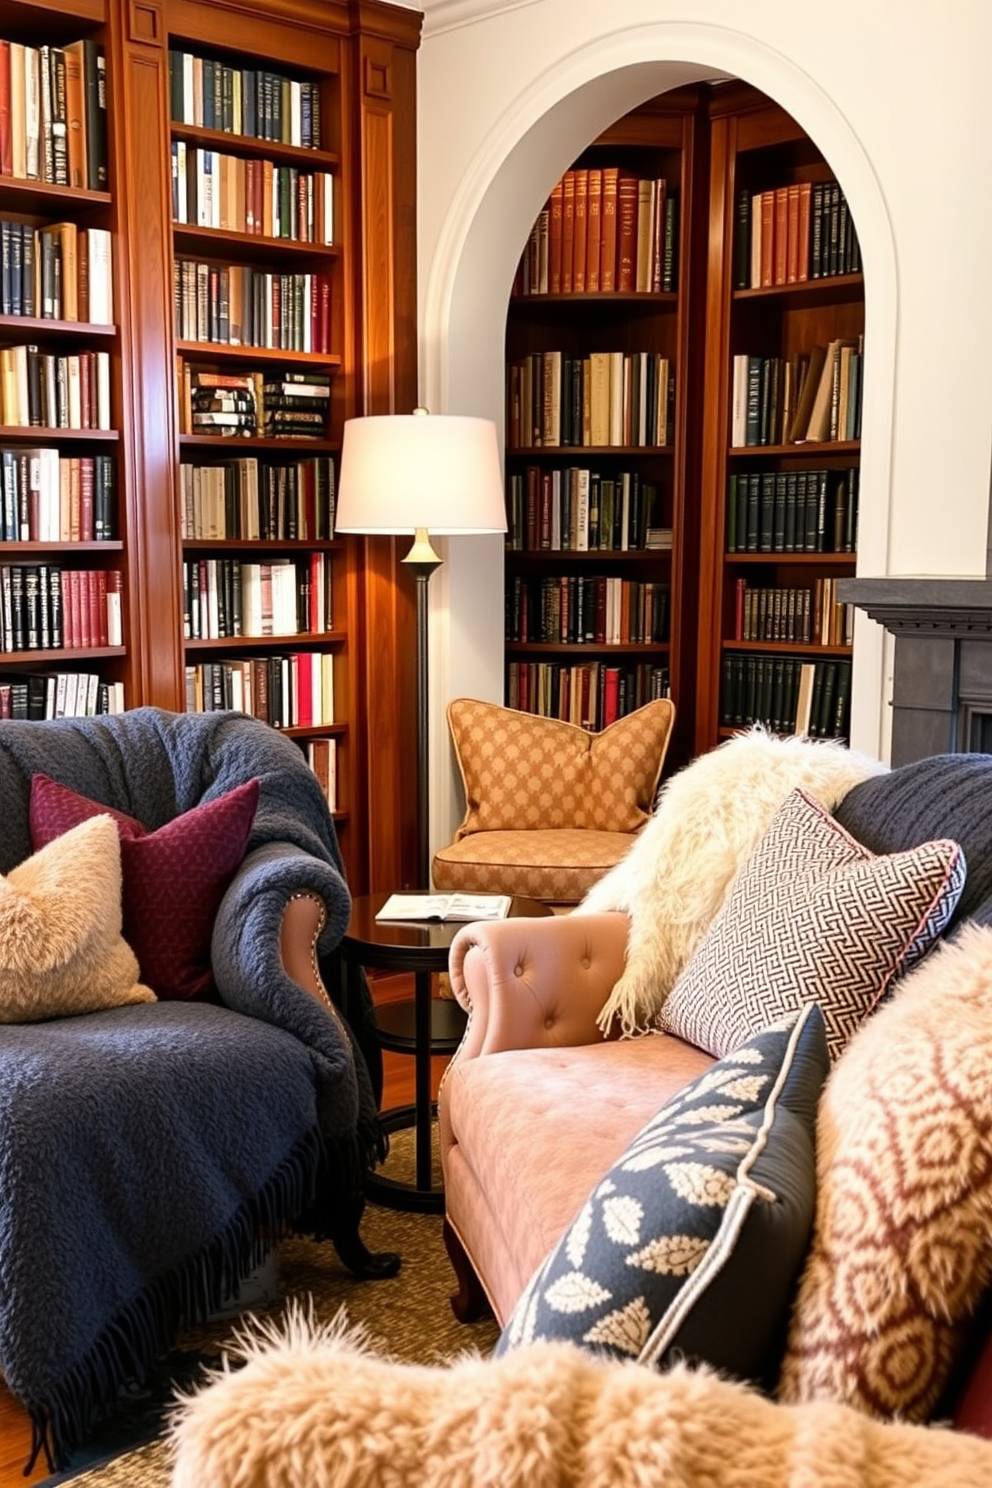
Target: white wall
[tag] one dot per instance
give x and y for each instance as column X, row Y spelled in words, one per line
column 904, row 114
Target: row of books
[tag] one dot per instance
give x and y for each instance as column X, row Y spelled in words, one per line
column 259, row 197
column 609, row 398
column 256, row 102
column 53, row 113
column 47, row 608
column 581, row 510
column 235, row 305
column 48, row 497
column 795, row 613
column 274, row 404
column 224, row 597
column 250, row 500
column 806, row 397
column 591, row 694
column 570, row 609
column 295, row 690
column 794, row 233
column 602, row 230
column 40, row 695
column 788, row 695
column 56, row 272
column 48, row 390
column 793, row 511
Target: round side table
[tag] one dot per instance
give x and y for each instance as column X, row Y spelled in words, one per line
column 427, row 1025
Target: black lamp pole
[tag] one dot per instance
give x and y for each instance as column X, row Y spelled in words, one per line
column 422, row 561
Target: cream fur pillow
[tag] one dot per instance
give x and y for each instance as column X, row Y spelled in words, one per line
column 316, row 1406
column 61, row 950
column 709, row 818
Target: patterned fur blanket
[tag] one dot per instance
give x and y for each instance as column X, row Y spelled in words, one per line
column 316, row 1405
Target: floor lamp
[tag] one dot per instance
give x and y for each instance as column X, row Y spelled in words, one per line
column 422, row 474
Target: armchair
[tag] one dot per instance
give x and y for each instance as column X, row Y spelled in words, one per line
column 549, row 807
column 151, row 1152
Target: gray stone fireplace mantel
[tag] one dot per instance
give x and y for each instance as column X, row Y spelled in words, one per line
column 942, row 677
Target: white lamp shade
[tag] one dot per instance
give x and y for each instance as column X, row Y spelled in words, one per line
column 404, row 471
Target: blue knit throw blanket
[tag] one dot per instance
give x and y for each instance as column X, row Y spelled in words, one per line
column 142, row 1149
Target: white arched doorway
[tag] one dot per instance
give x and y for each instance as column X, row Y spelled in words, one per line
column 467, row 286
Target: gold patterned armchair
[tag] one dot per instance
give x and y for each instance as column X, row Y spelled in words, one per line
column 549, row 807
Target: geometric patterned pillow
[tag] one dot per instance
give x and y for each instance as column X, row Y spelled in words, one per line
column 173, row 879
column 692, row 1243
column 812, row 917
column 902, row 1246
column 522, row 772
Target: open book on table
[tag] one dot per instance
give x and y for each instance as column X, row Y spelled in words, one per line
column 466, row 907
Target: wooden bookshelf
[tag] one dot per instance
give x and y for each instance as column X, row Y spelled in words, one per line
column 599, row 420
column 344, row 232
column 765, row 314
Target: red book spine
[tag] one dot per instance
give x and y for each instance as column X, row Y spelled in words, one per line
column 72, row 625
column 567, row 231
column 626, row 231
column 555, row 209
column 303, row 676
column 98, row 606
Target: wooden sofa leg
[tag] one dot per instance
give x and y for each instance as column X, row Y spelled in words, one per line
column 351, row 1248
column 470, row 1302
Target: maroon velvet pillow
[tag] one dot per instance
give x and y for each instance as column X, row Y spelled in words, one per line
column 174, row 878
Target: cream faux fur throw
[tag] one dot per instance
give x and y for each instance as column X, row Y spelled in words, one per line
column 709, row 818
column 315, row 1406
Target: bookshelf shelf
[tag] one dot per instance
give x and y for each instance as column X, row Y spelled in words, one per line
column 207, row 351
column 262, row 545
column 588, row 648
column 19, row 549
column 226, row 143
column 36, row 434
column 230, row 447
column 43, row 328
column 584, row 451
column 39, row 658
column 816, row 451
column 831, row 290
column 801, row 560
column 291, row 641
column 250, row 247
column 792, row 648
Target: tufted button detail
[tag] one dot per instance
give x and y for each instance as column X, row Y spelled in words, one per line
column 549, row 1022
column 586, row 961
column 518, row 970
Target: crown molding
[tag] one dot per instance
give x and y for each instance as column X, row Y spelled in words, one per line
column 449, row 15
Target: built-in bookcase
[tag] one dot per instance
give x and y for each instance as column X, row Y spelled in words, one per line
column 232, row 284
column 785, row 350
column 599, row 572
column 257, row 263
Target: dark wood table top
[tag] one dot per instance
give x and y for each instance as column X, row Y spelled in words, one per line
column 410, row 945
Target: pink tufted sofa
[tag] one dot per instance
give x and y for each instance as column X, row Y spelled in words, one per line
column 537, row 1104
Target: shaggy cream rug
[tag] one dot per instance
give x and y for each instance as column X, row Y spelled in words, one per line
column 316, row 1406
column 709, row 819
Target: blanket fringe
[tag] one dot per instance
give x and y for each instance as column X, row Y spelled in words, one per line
column 145, row 1329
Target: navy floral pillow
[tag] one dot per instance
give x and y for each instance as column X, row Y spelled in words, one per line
column 691, row 1245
